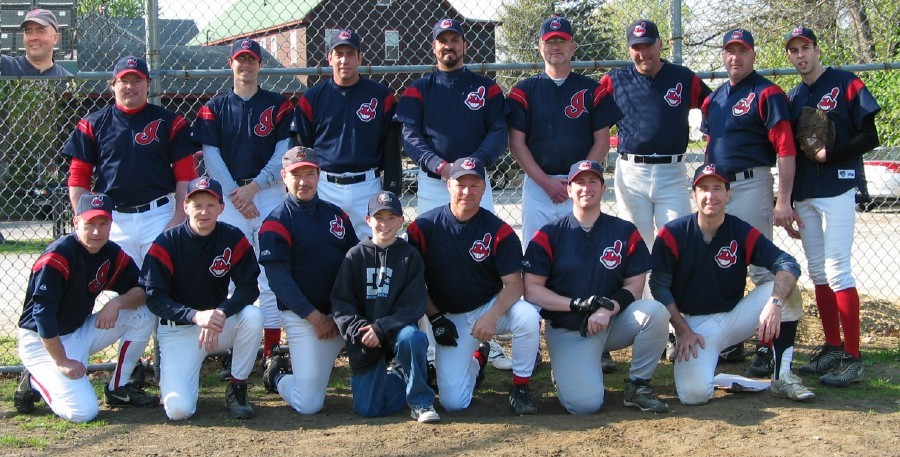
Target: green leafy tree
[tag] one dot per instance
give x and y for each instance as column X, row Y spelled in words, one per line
column 113, row 8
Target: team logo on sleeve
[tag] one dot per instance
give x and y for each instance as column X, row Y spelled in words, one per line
column 150, row 133
column 742, row 107
column 727, row 255
column 221, row 265
column 829, row 100
column 266, row 122
column 366, row 111
column 99, row 281
column 475, row 100
column 337, row 228
column 578, row 105
column 673, row 95
column 612, row 256
column 481, row 249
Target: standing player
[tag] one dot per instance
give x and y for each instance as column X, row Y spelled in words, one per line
column 347, row 120
column 824, row 194
column 304, row 241
column 655, row 97
column 474, row 105
column 187, row 273
column 57, row 332
column 700, row 273
column 244, row 135
column 557, row 118
column 473, row 264
column 378, row 297
column 584, row 270
column 41, row 32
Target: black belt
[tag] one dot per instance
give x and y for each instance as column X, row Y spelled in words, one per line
column 243, row 182
column 348, row 179
column 145, row 207
column 741, row 175
column 174, row 323
column 652, row 159
column 433, row 175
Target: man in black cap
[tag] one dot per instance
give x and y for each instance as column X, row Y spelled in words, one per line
column 41, row 31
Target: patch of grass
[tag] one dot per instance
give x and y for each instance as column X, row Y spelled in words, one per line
column 50, row 421
column 889, row 357
column 9, row 351
column 23, row 247
column 7, row 441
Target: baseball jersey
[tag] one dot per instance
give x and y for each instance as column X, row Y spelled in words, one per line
column 132, row 151
column 742, row 122
column 185, row 272
column 709, row 278
column 655, row 108
column 309, row 239
column 346, row 126
column 20, row 66
column 244, row 131
column 579, row 264
column 65, row 282
column 848, row 101
column 559, row 121
column 458, row 114
column 464, row 261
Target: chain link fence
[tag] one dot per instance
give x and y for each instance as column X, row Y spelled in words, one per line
column 190, row 44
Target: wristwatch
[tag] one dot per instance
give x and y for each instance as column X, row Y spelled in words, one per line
column 777, row 302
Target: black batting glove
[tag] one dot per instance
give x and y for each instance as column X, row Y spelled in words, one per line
column 590, row 304
column 444, row 330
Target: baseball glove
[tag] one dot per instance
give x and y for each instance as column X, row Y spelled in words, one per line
column 814, row 131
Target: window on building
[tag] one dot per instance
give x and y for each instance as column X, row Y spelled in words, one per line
column 391, row 45
column 294, row 47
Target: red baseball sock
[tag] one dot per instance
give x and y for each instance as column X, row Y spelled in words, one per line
column 827, row 303
column 271, row 338
column 481, row 360
column 518, row 380
column 848, row 307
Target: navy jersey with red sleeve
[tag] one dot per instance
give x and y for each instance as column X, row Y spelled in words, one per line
column 458, row 114
column 464, row 261
column 848, row 101
column 346, row 126
column 65, row 282
column 655, row 108
column 709, row 278
column 308, row 241
column 745, row 122
column 244, row 131
column 580, row 264
column 559, row 121
column 132, row 152
column 185, row 272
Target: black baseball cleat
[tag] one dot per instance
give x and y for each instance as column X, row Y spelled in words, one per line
column 607, row 364
column 431, row 378
column 236, row 400
column 225, row 372
column 733, row 353
column 485, row 350
column 638, row 393
column 763, row 363
column 520, row 400
column 130, row 395
column 278, row 367
column 138, row 376
column 25, row 396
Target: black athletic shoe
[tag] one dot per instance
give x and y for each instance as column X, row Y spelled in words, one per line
column 432, row 377
column 278, row 366
column 520, row 400
column 848, row 370
column 763, row 363
column 735, row 353
column 130, row 395
column 236, row 400
column 607, row 364
column 638, row 393
column 822, row 359
column 225, row 372
column 485, row 350
column 138, row 376
column 25, row 396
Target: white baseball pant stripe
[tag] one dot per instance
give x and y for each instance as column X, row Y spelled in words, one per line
column 694, row 377
column 753, row 201
column 575, row 360
column 457, row 368
column 538, row 209
column 135, row 232
column 352, row 198
column 265, row 200
column 312, row 360
column 74, row 399
column 827, row 237
column 181, row 358
column 651, row 195
column 433, row 193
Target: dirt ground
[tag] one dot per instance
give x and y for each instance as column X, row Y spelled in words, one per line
column 840, row 422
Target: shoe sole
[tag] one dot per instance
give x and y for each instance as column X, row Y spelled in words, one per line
column 800, row 400
column 646, row 410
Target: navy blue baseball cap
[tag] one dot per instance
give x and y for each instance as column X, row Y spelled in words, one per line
column 642, row 31
column 556, row 27
column 204, row 184
column 131, row 64
column 803, row 33
column 586, row 165
column 741, row 36
column 345, row 36
column 246, row 46
column 447, row 25
column 41, row 16
column 710, row 169
column 91, row 205
column 299, row 156
column 385, row 200
column 468, row 166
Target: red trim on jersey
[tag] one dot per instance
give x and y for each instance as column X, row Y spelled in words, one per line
column 389, row 102
column 121, row 263
column 44, row 392
column 853, row 89
column 599, row 94
column 156, row 251
column 54, row 260
column 543, row 241
column 284, row 109
column 669, row 241
column 764, row 98
column 782, row 138
column 518, row 95
column 704, row 107
column 415, row 234
column 121, row 362
column 240, row 250
column 184, row 169
column 494, row 91
column 412, row 92
column 504, row 232
column 87, row 129
column 633, row 242
column 696, row 90
column 177, row 125
column 305, row 108
column 131, row 112
column 206, row 114
column 279, row 229
column 750, row 243
column 80, row 173
column 607, row 83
